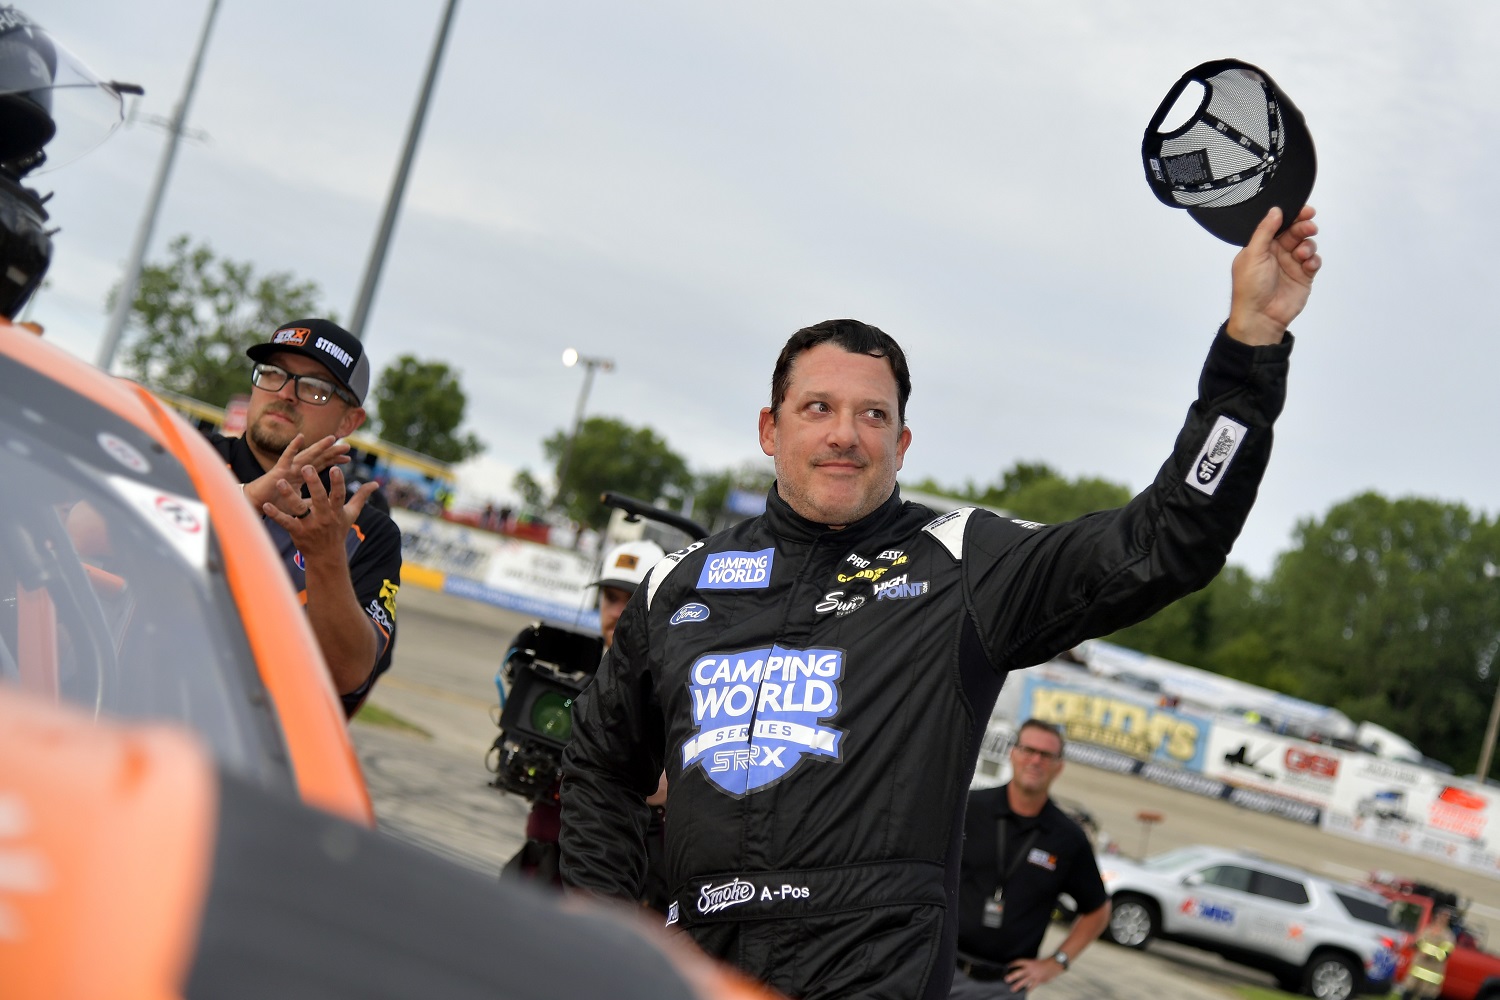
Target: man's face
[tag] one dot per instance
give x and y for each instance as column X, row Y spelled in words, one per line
column 837, row 440
column 1035, row 761
column 612, row 601
column 277, row 417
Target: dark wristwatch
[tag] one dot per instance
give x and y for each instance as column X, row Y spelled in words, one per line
column 1061, row 958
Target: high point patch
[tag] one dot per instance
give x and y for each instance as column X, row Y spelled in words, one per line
column 758, row 713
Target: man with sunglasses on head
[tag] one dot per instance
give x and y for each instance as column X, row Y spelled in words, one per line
column 1020, row 852
column 342, row 554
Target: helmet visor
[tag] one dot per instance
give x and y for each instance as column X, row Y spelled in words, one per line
column 48, row 97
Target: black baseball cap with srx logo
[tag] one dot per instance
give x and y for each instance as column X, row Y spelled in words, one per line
column 327, row 343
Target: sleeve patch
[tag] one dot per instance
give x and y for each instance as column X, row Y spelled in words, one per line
column 662, row 569
column 1216, row 454
column 949, row 530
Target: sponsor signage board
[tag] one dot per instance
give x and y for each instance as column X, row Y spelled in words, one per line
column 528, row 577
column 1119, row 722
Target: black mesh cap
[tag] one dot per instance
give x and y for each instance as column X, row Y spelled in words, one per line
column 1243, row 151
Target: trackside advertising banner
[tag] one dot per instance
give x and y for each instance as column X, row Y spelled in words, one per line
column 1120, row 728
column 533, row 579
column 1123, row 732
column 1126, row 725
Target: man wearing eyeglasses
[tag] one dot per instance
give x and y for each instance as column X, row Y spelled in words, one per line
column 1020, row 852
column 343, row 555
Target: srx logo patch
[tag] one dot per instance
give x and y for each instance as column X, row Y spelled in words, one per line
column 758, row 713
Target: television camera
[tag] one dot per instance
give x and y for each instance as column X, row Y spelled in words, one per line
column 545, row 669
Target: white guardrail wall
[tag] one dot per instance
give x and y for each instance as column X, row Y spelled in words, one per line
column 526, row 577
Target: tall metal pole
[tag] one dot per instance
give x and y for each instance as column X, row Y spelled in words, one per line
column 1487, row 751
column 398, row 186
column 571, row 358
column 1486, row 659
column 126, row 294
column 562, row 471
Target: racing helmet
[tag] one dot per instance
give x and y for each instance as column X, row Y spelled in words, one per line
column 52, row 109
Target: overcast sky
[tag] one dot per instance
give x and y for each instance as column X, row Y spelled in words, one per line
column 680, row 185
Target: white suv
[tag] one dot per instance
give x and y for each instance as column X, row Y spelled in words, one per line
column 1321, row 937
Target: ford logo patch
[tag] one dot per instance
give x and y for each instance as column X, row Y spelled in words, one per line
column 690, row 613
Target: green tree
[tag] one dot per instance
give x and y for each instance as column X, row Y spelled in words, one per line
column 419, row 405
column 194, row 316
column 1037, row 492
column 1387, row 610
column 712, row 489
column 610, row 454
column 1219, row 628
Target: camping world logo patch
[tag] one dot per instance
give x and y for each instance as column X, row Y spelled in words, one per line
column 758, row 713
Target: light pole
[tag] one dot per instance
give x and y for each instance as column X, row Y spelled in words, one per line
column 398, row 186
column 570, row 357
column 126, row 294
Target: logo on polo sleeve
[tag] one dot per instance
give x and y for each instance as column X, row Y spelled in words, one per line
column 737, row 571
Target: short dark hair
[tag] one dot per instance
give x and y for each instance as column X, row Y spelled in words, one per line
column 1042, row 727
column 854, row 337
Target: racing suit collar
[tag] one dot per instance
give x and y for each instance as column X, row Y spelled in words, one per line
column 789, row 524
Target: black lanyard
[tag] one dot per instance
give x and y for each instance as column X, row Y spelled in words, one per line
column 1002, row 829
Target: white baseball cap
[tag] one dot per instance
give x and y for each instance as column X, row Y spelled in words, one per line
column 625, row 566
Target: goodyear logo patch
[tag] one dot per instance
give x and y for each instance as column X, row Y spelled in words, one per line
column 737, row 571
column 758, row 714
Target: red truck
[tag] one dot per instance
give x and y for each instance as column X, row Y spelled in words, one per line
column 1472, row 973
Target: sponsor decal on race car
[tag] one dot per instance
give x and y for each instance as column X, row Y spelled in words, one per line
column 758, row 713
column 124, row 452
column 1202, row 909
column 737, row 571
column 693, row 612
column 1216, row 454
column 899, row 588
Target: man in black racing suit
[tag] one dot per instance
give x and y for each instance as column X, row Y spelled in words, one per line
column 816, row 680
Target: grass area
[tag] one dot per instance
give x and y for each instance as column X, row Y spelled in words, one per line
column 374, row 715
